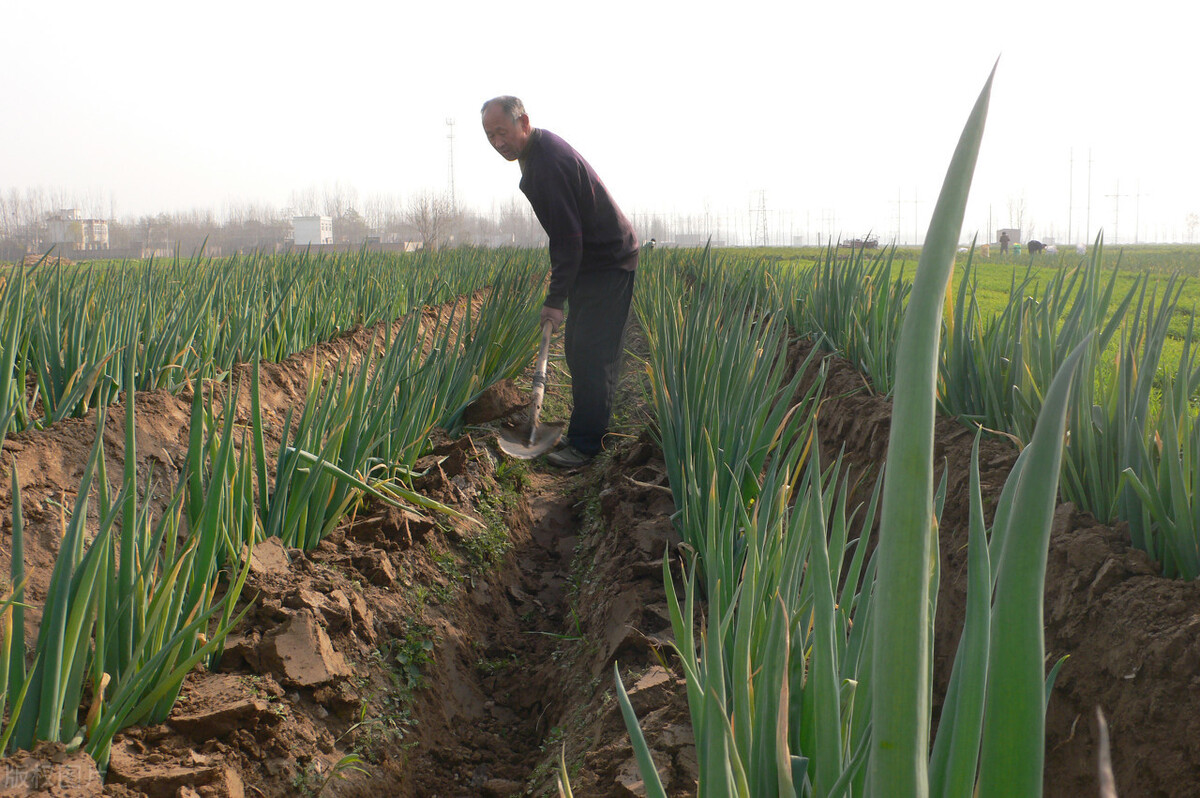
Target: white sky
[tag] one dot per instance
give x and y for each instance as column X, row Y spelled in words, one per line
column 833, row 109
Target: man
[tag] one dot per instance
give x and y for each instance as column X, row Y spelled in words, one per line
column 593, row 259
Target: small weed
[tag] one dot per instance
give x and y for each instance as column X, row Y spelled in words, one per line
column 487, row 548
column 405, row 660
column 309, row 782
column 343, row 768
column 552, row 741
column 451, row 568
column 411, row 653
column 513, row 475
column 490, row 667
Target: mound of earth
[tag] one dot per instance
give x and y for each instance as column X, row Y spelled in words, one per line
column 1129, row 634
column 404, row 655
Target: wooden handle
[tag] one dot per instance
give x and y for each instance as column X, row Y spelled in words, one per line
column 539, row 380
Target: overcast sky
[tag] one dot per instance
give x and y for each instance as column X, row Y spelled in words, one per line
column 835, row 116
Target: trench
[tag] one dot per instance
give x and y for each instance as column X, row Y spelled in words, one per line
column 451, row 664
column 497, row 694
column 524, row 663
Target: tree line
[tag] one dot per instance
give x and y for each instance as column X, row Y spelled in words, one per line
column 426, row 219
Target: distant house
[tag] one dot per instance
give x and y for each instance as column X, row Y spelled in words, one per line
column 859, row 243
column 1014, row 234
column 494, row 240
column 309, row 230
column 696, row 240
column 68, row 229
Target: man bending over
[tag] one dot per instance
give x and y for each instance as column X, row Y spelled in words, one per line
column 593, row 259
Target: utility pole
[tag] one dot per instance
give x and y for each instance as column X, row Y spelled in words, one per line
column 916, row 219
column 829, row 225
column 1137, row 213
column 450, row 137
column 1087, row 233
column 1070, row 196
column 1116, row 198
column 916, row 201
column 762, row 214
column 899, row 204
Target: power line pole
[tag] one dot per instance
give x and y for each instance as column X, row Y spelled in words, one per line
column 1116, row 198
column 1137, row 213
column 450, row 137
column 1087, row 233
column 899, row 204
column 750, row 220
column 916, row 201
column 1070, row 196
column 762, row 214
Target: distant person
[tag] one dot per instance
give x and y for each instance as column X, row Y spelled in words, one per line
column 1004, row 243
column 593, row 259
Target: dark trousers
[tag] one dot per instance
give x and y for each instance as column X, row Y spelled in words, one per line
column 597, row 310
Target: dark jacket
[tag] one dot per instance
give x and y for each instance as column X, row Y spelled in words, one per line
column 587, row 230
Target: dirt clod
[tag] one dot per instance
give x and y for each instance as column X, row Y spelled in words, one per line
column 498, row 401
column 48, row 771
column 165, row 778
column 269, row 559
column 299, row 652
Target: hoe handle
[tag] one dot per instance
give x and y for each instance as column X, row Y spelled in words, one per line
column 539, row 380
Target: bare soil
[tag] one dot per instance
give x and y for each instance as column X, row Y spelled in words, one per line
column 453, row 658
column 1130, row 634
column 467, row 660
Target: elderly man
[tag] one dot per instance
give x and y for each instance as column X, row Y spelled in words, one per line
column 593, row 258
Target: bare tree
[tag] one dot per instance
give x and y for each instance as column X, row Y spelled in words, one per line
column 336, row 199
column 1016, row 212
column 519, row 225
column 380, row 211
column 429, row 216
column 8, row 222
column 304, row 202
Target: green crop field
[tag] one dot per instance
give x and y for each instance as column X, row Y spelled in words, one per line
column 810, row 674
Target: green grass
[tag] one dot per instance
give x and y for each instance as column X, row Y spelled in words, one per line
column 996, row 277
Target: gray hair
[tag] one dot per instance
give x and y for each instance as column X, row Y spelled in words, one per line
column 511, row 105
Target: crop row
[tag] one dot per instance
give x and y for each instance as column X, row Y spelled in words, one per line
column 68, row 330
column 137, row 601
column 810, row 674
column 1132, row 453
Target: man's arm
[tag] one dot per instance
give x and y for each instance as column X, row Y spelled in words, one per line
column 553, row 197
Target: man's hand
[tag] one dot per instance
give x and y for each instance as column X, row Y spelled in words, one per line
column 552, row 315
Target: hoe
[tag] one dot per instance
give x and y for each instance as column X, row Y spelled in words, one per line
column 541, row 439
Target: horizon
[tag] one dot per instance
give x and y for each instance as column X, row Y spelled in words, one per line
column 819, row 121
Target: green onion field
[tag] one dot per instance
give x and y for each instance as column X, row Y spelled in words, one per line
column 869, row 523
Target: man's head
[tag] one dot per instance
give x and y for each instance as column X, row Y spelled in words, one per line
column 506, row 125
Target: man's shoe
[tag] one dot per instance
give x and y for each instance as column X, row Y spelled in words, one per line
column 568, row 456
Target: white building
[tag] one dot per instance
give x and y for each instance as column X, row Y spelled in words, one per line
column 1014, row 234
column 312, row 230
column 69, row 229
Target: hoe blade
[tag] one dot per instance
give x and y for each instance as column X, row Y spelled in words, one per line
column 519, row 444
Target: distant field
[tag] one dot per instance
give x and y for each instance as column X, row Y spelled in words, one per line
column 1166, row 258
column 996, row 276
